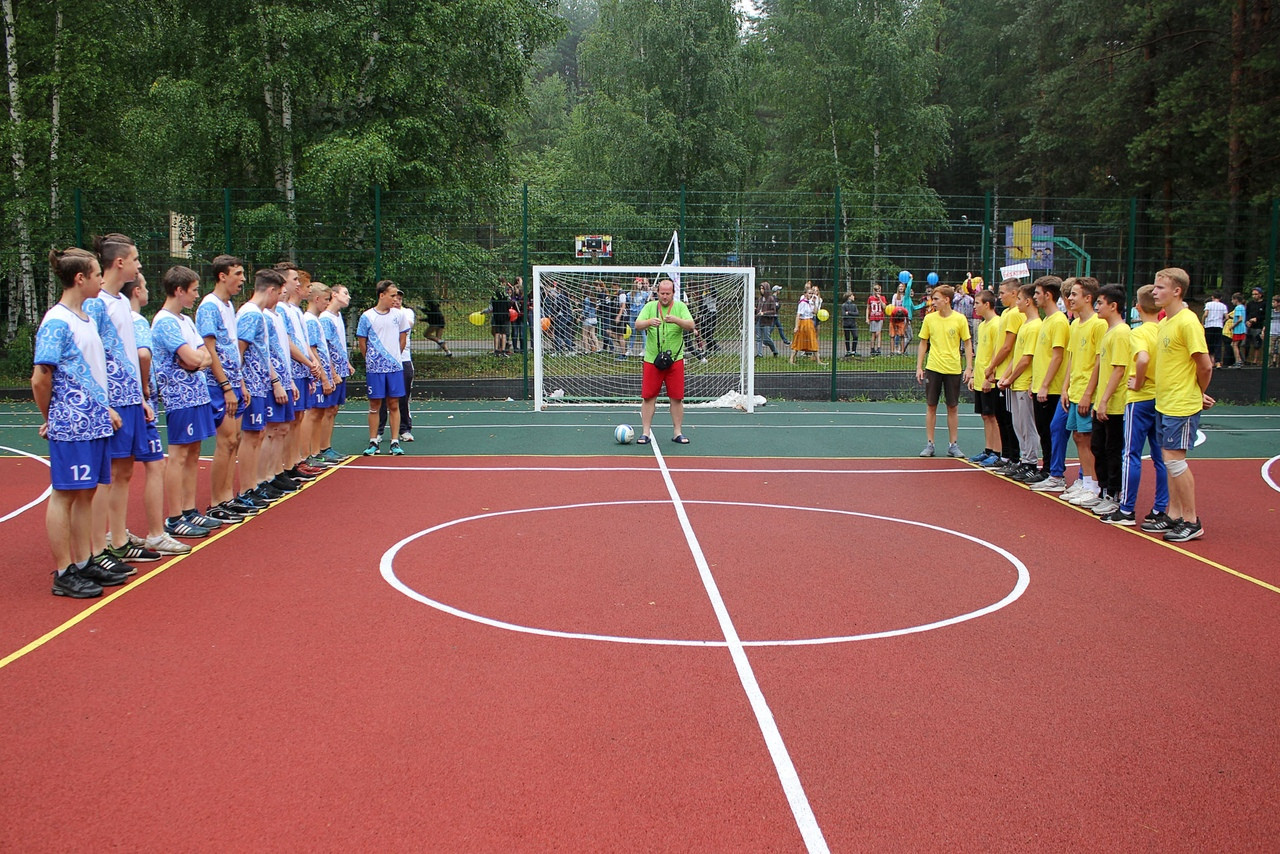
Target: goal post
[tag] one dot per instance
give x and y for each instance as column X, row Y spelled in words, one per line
column 585, row 350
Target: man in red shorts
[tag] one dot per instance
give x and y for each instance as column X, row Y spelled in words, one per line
column 664, row 321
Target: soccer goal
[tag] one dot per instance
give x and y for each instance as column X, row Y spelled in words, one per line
column 585, row 349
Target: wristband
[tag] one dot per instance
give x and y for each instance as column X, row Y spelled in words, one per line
column 224, row 385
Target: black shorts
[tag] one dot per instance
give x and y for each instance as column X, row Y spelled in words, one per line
column 935, row 382
column 988, row 402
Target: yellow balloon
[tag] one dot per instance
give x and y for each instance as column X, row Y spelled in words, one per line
column 626, row 332
column 824, row 315
column 476, row 318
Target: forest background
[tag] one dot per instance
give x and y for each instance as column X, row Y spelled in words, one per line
column 406, row 138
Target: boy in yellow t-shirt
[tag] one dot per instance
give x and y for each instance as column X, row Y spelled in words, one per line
column 1183, row 371
column 941, row 335
column 988, row 401
column 1082, row 380
column 1140, row 421
column 1047, row 371
column 1016, row 380
column 1108, row 419
column 1011, row 320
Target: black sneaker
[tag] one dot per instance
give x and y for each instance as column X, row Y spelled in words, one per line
column 268, row 493
column 202, row 520
column 99, row 572
column 1157, row 522
column 70, row 583
column 106, row 561
column 131, row 553
column 300, row 476
column 180, row 527
column 1184, row 531
column 251, row 498
column 1119, row 517
column 223, row 515
column 239, row 506
column 283, row 483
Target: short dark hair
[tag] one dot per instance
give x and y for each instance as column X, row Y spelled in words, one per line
column 281, row 266
column 111, row 246
column 383, row 286
column 1113, row 294
column 69, row 263
column 266, row 279
column 176, row 278
column 1090, row 286
column 1028, row 290
column 1051, row 285
column 223, row 264
column 985, row 296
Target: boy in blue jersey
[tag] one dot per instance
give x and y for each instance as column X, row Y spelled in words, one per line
column 69, row 384
column 318, row 296
column 304, row 368
column 253, row 333
column 179, row 356
column 335, row 336
column 381, row 336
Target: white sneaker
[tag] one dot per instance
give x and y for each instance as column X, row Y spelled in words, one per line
column 166, row 545
column 1085, row 498
column 1074, row 489
column 406, row 436
column 1105, row 507
column 928, row 450
column 1049, row 484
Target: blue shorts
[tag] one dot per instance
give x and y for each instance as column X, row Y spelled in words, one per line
column 306, row 398
column 1177, row 433
column 280, row 413
column 339, row 396
column 218, row 403
column 131, row 439
column 1077, row 423
column 79, row 465
column 254, row 417
column 155, row 448
column 320, row 400
column 382, row 386
column 190, row 424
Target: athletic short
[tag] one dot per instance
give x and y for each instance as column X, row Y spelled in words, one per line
column 320, row 400
column 79, row 465
column 1238, row 336
column 306, row 397
column 382, row 386
column 988, row 402
column 254, row 416
column 935, row 383
column 155, row 448
column 339, row 394
column 190, row 424
column 131, row 439
column 652, row 381
column 1177, row 433
column 1077, row 423
column 874, row 325
column 218, row 403
column 280, row 413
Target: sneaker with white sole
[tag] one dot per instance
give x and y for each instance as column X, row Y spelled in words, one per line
column 928, row 450
column 406, row 436
column 1105, row 507
column 396, row 450
column 1084, row 498
column 1119, row 517
column 1157, row 522
column 180, row 527
column 129, row 553
column 167, row 545
column 372, row 449
column 953, row 450
column 1184, row 531
column 1049, row 484
column 1074, row 489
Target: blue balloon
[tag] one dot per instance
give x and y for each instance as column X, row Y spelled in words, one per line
column 933, row 279
column 904, row 277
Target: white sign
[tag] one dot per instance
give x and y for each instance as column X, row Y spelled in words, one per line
column 1015, row 271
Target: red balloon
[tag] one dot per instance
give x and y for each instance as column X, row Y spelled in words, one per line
column 513, row 314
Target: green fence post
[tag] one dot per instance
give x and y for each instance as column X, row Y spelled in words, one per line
column 79, row 204
column 988, row 261
column 377, row 232
column 528, row 281
column 1271, row 292
column 1131, row 280
column 226, row 220
column 835, row 290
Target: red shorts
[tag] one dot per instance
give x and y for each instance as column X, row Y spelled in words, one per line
column 1238, row 336
column 652, row 379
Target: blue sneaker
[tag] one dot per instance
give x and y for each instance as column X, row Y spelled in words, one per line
column 979, row 457
column 992, row 461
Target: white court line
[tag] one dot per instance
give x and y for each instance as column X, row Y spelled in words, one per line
column 552, row 469
column 791, row 785
column 1266, row 474
column 47, row 492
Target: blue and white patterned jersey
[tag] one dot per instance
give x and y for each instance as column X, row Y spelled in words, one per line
column 124, row 383
column 178, row 387
column 335, row 336
column 278, row 346
column 382, row 331
column 297, row 334
column 142, row 334
column 315, row 337
column 71, row 345
column 251, row 328
column 217, row 319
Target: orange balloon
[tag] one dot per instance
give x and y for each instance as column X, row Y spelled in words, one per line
column 546, row 324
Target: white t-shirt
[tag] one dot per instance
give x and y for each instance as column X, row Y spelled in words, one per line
column 120, row 310
column 406, row 315
column 1215, row 314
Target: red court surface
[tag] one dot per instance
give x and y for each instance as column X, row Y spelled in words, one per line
column 1034, row 680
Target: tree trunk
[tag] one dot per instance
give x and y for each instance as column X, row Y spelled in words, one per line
column 55, row 138
column 23, row 306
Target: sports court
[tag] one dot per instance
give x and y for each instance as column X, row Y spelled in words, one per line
column 791, row 634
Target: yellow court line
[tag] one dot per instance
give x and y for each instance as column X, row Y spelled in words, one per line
column 1149, row 538
column 106, row 600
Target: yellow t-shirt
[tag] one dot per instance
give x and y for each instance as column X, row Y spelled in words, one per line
column 1054, row 333
column 1026, row 346
column 1010, row 321
column 1113, row 352
column 1177, row 389
column 1143, row 340
column 1086, row 335
column 944, row 335
column 987, row 331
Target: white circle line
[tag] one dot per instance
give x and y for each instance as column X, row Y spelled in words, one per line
column 1266, row 473
column 386, row 566
column 47, row 492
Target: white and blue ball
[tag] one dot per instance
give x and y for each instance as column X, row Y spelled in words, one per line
column 623, row 434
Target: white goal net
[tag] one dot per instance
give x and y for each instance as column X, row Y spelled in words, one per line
column 585, row 350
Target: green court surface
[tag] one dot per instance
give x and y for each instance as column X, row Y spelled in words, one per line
column 783, row 429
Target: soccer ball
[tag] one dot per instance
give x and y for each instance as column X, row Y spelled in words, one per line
column 623, row 434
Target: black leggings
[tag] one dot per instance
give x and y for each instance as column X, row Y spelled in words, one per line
column 1044, row 420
